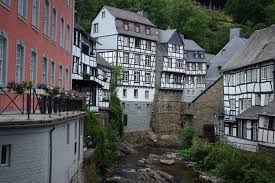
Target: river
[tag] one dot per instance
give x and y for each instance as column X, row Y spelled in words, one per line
column 131, row 168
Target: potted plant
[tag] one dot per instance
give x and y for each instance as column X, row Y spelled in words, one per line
column 18, row 88
column 86, row 76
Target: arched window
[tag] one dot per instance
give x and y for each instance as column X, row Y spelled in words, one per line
column 3, row 59
column 20, row 58
column 33, row 66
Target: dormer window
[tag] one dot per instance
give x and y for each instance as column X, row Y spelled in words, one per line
column 137, row 28
column 103, row 14
column 202, row 55
column 126, row 25
column 147, row 30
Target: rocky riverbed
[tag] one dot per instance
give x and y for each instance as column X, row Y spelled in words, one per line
column 149, row 164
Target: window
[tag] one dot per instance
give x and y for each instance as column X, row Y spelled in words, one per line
column 135, row 93
column 33, row 67
column 103, row 14
column 167, row 78
column 6, row 2
column 68, row 38
column 136, row 77
column 125, row 119
column 126, row 42
column 232, row 103
column 20, row 54
column 52, row 73
column 68, row 133
column 170, row 62
column 85, row 49
column 249, row 75
column 67, row 80
column 137, row 28
column 47, row 18
column 200, row 66
column 174, row 48
column 192, row 80
column 125, row 75
column 123, row 105
column 148, row 45
column 95, row 28
column 3, row 59
column 60, row 76
column 193, row 66
column 147, row 60
column 137, row 43
column 147, row 77
column 258, row 99
column 76, row 38
column 193, row 92
column 267, row 72
column 75, row 130
column 137, row 59
column 201, row 55
column 199, row 79
column 35, row 13
column 45, row 71
column 126, row 25
column 54, row 25
column 146, row 94
column 5, row 152
column 147, row 30
column 22, row 8
column 254, row 75
column 62, row 27
column 177, row 79
column 177, row 49
column 125, row 58
column 124, row 93
column 179, row 63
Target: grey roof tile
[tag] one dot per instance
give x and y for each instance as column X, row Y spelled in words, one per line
column 191, row 45
column 165, row 35
column 128, row 15
column 259, row 48
column 225, row 54
column 101, row 61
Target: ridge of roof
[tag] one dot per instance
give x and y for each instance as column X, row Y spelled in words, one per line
column 128, row 15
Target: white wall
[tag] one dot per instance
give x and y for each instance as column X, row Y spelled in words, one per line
column 141, row 94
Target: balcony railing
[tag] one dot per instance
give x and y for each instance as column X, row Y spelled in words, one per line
column 38, row 101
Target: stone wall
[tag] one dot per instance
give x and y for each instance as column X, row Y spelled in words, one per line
column 205, row 107
column 167, row 112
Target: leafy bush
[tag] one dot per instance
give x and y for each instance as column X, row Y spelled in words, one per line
column 186, row 154
column 199, row 149
column 186, row 135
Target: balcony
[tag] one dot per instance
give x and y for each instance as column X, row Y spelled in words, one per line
column 18, row 100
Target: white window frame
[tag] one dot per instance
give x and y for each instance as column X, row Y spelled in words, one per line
column 137, row 58
column 147, row 60
column 45, row 72
column 148, row 45
column 95, row 29
column 47, row 18
column 125, row 76
column 136, row 76
column 3, row 58
column 147, row 77
column 23, row 8
column 33, row 66
column 126, row 56
column 54, row 24
column 19, row 72
column 126, row 41
column 68, row 38
column 52, row 73
column 60, row 76
column 62, row 32
column 36, row 13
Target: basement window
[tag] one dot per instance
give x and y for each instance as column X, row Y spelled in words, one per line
column 5, row 151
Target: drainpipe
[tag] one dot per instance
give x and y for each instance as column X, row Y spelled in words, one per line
column 51, row 153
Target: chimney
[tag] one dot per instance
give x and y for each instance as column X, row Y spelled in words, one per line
column 143, row 13
column 235, row 32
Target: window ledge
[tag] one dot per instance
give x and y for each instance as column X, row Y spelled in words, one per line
column 46, row 36
column 6, row 6
column 53, row 42
column 35, row 28
column 24, row 19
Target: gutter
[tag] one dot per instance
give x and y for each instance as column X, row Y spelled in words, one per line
column 51, row 153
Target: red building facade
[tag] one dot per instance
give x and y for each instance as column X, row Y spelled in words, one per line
column 36, row 41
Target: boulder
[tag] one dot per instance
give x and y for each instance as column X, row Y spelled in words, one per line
column 167, row 161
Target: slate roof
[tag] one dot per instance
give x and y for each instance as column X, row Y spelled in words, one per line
column 206, row 59
column 191, row 45
column 165, row 35
column 250, row 113
column 225, row 54
column 101, row 61
column 128, row 15
column 269, row 109
column 259, row 48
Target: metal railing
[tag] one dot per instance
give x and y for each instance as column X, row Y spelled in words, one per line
column 36, row 101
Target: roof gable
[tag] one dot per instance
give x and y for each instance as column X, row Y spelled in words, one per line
column 191, row 45
column 128, row 15
column 259, row 48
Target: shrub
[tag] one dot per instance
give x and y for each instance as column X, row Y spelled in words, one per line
column 199, row 149
column 185, row 154
column 186, row 135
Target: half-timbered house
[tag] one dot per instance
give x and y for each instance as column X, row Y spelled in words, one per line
column 196, row 69
column 170, row 68
column 248, row 90
column 129, row 40
column 84, row 67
